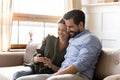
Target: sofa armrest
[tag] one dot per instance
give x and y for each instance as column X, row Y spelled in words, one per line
column 108, row 63
column 11, row 58
column 113, row 77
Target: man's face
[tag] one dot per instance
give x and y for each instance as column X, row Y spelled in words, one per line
column 72, row 28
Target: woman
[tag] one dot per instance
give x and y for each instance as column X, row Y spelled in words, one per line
column 54, row 49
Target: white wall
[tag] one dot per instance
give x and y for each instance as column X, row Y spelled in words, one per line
column 104, row 21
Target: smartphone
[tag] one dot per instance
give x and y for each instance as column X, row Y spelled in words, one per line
column 40, row 52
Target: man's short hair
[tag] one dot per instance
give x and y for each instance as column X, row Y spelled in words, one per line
column 77, row 15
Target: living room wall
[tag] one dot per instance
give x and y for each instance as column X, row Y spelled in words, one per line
column 103, row 20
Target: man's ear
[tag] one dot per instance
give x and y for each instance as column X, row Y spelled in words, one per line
column 81, row 26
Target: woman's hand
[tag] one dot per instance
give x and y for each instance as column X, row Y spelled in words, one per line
column 47, row 62
column 37, row 58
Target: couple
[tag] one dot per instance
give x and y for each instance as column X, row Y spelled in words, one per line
column 81, row 53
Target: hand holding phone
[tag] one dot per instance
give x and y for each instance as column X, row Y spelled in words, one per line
column 40, row 52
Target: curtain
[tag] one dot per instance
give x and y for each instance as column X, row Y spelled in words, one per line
column 6, row 12
column 74, row 4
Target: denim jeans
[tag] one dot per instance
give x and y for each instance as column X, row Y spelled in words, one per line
column 25, row 71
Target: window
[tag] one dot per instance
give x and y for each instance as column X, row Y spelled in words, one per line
column 39, row 29
column 36, row 16
column 43, row 7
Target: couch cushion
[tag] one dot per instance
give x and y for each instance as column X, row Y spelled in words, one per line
column 108, row 63
column 6, row 73
column 113, row 77
column 11, row 58
column 30, row 50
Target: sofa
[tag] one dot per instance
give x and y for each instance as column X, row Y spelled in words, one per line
column 108, row 63
column 11, row 62
column 108, row 66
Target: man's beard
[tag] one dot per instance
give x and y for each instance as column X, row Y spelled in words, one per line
column 73, row 34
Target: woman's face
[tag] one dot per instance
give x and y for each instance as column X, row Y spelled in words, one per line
column 62, row 31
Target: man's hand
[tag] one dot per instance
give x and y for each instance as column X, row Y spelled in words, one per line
column 69, row 70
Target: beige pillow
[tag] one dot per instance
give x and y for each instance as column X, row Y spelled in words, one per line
column 30, row 51
column 113, row 77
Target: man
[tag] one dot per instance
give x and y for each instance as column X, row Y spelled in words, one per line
column 82, row 52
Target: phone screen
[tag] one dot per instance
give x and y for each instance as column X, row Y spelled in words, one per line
column 40, row 51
